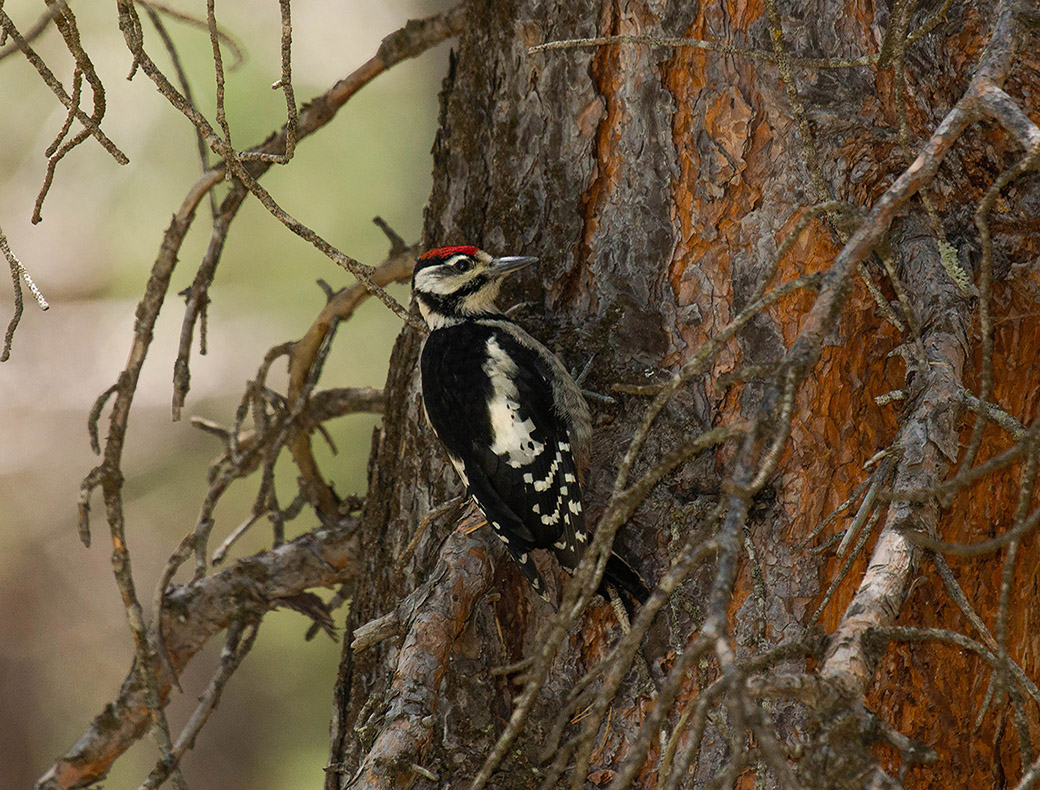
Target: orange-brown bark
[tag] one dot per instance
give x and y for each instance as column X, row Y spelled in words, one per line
column 657, row 186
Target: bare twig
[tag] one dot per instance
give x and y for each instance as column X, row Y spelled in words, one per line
column 65, row 21
column 416, row 37
column 223, row 36
column 18, row 274
column 90, row 123
column 35, row 31
column 182, row 78
column 239, row 642
column 396, row 267
column 1023, row 165
column 695, row 43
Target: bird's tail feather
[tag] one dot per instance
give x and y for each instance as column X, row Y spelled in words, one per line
column 623, row 576
column 527, row 567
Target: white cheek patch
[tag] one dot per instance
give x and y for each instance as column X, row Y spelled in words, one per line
column 512, row 437
column 438, row 280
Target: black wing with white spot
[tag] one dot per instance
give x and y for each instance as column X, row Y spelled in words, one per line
column 490, row 401
column 489, row 397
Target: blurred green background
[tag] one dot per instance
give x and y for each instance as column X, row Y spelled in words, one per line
column 64, row 643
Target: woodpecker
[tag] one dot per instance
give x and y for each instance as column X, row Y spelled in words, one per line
column 514, row 423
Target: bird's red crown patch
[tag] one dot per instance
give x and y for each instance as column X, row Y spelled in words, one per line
column 447, row 252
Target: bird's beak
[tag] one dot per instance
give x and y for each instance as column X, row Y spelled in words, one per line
column 500, row 267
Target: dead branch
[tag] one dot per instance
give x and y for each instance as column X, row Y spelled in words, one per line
column 439, row 614
column 412, row 40
column 925, row 441
column 193, row 614
column 416, row 37
column 399, row 619
column 723, row 48
column 65, row 21
column 928, row 438
column 708, row 46
column 340, row 307
column 108, row 475
column 223, row 35
column 621, row 658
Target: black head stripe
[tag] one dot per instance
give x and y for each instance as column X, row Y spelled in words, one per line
column 438, row 303
column 424, row 263
column 451, row 303
column 474, row 284
column 430, row 261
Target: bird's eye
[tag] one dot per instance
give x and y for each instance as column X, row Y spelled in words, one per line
column 463, row 264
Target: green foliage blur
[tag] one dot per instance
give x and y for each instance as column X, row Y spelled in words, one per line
column 64, row 643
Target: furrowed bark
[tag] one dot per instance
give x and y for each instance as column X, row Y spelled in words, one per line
column 657, row 185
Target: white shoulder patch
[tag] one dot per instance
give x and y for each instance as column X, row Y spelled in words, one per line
column 511, row 436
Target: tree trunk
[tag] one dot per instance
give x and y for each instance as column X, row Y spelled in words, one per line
column 657, row 185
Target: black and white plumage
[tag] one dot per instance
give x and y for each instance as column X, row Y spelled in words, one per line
column 512, row 419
